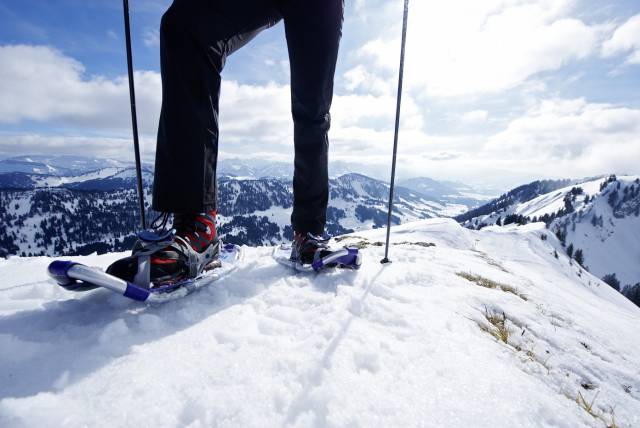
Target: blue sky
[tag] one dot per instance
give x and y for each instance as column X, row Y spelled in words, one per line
column 497, row 92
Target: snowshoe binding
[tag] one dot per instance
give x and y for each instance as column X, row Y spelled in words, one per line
column 162, row 256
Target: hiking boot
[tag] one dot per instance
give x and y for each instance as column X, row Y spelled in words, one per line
column 307, row 247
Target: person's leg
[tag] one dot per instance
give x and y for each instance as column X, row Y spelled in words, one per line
column 196, row 36
column 313, row 29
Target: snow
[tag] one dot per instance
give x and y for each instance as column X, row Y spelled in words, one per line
column 404, row 344
column 554, row 201
column 54, row 181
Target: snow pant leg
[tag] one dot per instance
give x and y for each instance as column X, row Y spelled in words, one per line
column 313, row 29
column 196, row 36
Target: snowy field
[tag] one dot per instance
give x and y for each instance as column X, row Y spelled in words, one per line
column 483, row 329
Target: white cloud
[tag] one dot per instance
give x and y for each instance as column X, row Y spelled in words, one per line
column 255, row 118
column 39, row 83
column 475, row 116
column 359, row 78
column 570, row 138
column 151, row 37
column 461, row 48
column 625, row 39
column 82, row 145
column 554, row 138
column 112, row 35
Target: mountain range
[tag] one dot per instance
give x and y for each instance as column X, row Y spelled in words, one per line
column 47, row 209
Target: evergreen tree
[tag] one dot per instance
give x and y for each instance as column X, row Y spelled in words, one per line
column 579, row 256
column 570, row 250
column 612, row 200
column 568, row 204
column 632, row 292
column 612, row 280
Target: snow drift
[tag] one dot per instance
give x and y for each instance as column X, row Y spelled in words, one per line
column 465, row 328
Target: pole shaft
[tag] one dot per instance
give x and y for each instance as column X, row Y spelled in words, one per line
column 397, row 126
column 134, row 119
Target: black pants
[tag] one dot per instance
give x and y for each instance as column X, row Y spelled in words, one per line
column 196, row 36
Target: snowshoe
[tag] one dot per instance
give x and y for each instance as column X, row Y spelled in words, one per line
column 164, row 264
column 312, row 253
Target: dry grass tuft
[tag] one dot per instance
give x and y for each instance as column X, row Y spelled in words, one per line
column 498, row 328
column 489, row 283
column 484, row 256
column 588, row 407
column 360, row 244
column 418, row 243
column 343, row 237
column 364, row 242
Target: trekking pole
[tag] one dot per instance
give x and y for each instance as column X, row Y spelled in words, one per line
column 395, row 136
column 134, row 120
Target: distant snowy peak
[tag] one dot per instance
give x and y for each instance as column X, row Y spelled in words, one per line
column 107, row 178
column 257, row 168
column 449, row 191
column 407, row 201
column 61, row 165
column 429, row 186
column 47, row 171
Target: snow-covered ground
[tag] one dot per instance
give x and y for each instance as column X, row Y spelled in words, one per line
column 414, row 343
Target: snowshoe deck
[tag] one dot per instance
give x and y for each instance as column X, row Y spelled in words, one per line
column 78, row 277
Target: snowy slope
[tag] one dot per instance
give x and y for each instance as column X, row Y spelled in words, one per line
column 599, row 216
column 406, row 344
column 552, row 202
